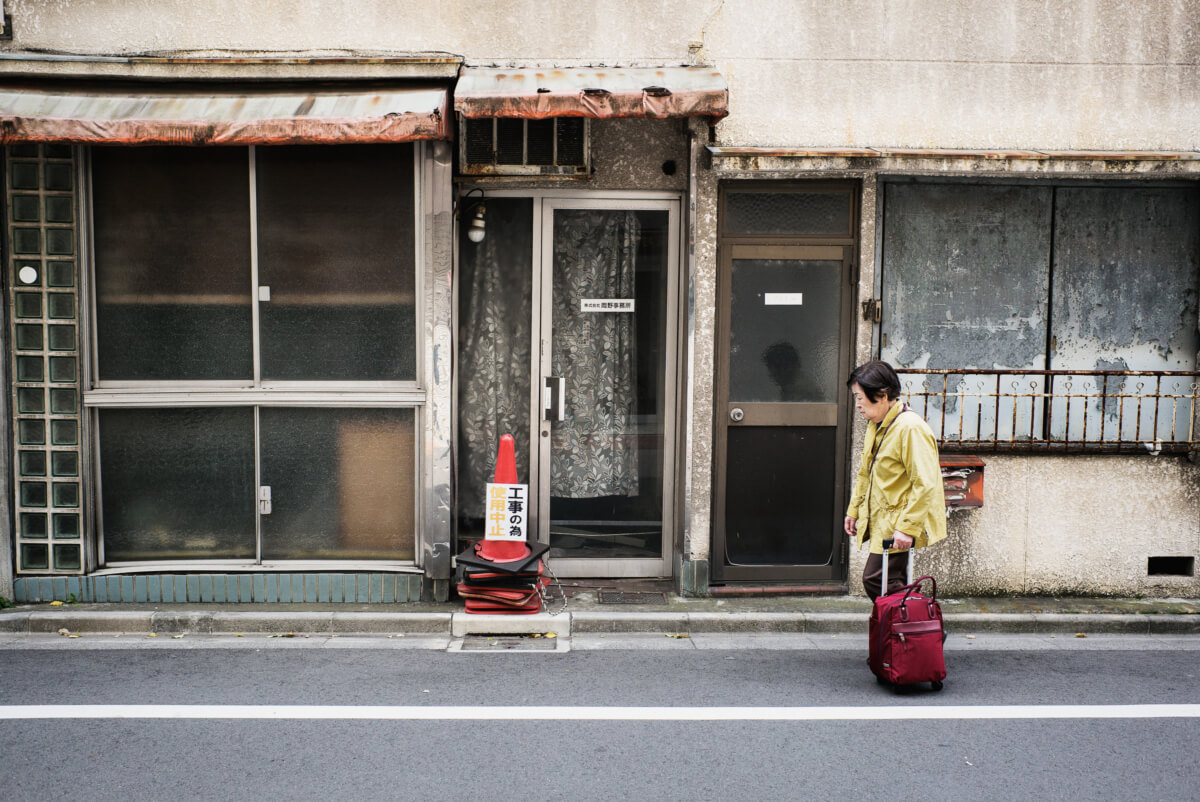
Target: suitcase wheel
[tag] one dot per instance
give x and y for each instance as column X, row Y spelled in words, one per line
column 936, row 685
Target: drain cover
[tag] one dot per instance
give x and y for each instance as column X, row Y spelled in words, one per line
column 631, row 597
column 496, row 643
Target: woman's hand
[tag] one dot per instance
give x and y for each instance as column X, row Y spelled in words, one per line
column 850, row 525
column 901, row 541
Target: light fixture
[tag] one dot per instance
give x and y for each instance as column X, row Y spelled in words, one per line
column 476, row 229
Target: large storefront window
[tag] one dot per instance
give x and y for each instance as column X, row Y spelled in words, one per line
column 1045, row 316
column 254, row 353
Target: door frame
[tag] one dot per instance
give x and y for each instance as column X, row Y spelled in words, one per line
column 783, row 246
column 545, row 201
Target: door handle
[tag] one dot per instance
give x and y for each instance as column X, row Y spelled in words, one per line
column 736, row 414
column 554, row 391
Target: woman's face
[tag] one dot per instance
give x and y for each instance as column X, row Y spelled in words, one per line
column 874, row 411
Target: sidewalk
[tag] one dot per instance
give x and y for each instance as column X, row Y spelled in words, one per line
column 585, row 613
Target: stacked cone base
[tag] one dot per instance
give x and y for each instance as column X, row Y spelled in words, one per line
column 497, row 588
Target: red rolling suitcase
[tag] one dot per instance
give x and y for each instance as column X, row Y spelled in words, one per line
column 906, row 634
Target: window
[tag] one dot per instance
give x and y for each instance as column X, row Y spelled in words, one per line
column 254, row 352
column 1045, row 316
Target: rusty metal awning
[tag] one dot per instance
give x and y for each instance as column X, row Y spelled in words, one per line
column 150, row 116
column 654, row 92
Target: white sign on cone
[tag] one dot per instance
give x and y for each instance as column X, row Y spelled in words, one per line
column 506, row 512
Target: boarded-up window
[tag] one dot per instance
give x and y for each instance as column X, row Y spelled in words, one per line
column 1078, row 280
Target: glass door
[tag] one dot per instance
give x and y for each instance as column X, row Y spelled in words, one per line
column 565, row 318
column 604, row 411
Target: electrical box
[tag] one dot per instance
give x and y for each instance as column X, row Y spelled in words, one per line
column 962, row 480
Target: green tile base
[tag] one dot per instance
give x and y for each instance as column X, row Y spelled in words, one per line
column 263, row 588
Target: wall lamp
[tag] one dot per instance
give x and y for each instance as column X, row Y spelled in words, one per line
column 476, row 228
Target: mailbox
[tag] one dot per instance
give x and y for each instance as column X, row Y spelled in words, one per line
column 962, row 479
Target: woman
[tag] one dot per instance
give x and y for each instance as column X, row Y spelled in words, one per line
column 898, row 493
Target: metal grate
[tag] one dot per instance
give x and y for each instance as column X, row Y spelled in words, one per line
column 498, row 643
column 1105, row 411
column 514, row 146
column 631, row 597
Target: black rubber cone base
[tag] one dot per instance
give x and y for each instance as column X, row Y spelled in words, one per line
column 470, row 559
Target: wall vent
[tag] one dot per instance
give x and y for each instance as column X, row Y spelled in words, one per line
column 503, row 146
column 1170, row 566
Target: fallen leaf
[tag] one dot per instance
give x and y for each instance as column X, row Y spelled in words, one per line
column 969, row 637
column 678, row 635
column 551, row 634
column 64, row 631
column 152, row 635
column 424, row 691
column 969, row 763
column 238, row 635
column 1080, row 635
column 180, row 635
column 56, row 604
column 73, row 635
column 536, row 635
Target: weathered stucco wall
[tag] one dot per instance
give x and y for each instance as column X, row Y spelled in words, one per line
column 1085, row 74
column 1073, row 525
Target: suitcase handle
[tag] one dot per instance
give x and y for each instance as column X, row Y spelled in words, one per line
column 914, row 588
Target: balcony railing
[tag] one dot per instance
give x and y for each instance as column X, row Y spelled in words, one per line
column 1060, row 411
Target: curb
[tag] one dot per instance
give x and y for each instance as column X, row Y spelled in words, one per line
column 457, row 624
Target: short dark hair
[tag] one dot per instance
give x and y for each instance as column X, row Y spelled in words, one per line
column 876, row 378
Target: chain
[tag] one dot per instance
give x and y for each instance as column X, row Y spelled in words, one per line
column 545, row 597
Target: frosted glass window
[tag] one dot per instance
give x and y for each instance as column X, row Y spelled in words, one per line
column 784, row 351
column 336, row 248
column 342, row 483
column 795, row 213
column 177, row 483
column 172, row 243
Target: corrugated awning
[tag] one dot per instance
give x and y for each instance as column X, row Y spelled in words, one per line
column 655, row 92
column 269, row 117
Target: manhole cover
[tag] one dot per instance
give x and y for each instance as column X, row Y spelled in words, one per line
column 631, row 597
column 497, row 643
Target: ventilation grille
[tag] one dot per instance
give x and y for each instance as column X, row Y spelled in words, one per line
column 504, row 146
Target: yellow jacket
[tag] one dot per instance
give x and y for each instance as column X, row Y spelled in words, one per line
column 905, row 484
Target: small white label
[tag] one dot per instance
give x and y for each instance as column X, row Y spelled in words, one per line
column 264, row 293
column 505, row 511
column 783, row 299
column 606, row 305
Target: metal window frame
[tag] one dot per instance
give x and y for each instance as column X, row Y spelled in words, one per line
column 544, row 202
column 96, row 396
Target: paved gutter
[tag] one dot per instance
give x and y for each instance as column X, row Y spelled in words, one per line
column 839, row 614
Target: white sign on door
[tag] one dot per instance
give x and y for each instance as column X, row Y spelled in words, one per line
column 783, row 299
column 605, row 304
column 506, row 512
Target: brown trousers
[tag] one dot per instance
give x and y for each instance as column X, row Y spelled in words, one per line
column 872, row 574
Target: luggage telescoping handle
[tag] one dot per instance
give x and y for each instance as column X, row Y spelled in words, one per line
column 887, row 545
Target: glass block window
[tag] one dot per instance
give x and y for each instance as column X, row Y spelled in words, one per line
column 42, row 266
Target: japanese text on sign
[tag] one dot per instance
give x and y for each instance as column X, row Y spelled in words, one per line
column 606, row 304
column 505, row 512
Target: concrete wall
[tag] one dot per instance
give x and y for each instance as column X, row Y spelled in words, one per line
column 1073, row 525
column 1076, row 74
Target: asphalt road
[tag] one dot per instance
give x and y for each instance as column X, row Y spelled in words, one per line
column 957, row 758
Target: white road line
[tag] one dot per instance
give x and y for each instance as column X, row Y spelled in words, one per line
column 563, row 713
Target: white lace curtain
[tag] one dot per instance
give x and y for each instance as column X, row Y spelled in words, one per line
column 593, row 451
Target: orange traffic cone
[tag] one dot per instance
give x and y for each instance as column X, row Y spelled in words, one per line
column 504, row 551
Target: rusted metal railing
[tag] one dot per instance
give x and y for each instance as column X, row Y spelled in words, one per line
column 1062, row 411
